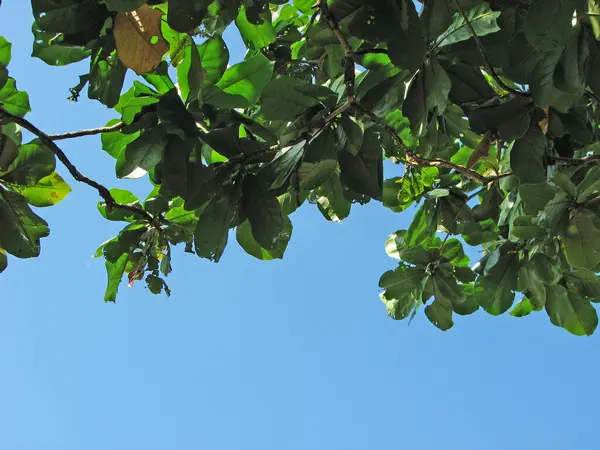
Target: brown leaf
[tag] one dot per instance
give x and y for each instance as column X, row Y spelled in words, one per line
column 482, row 150
column 139, row 40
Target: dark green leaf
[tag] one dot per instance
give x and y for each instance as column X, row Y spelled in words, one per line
column 331, row 200
column 571, row 312
column 481, row 18
column 241, row 84
column 142, row 154
column 256, row 36
column 247, row 241
column 527, row 156
column 185, row 15
column 427, row 93
column 212, row 229
column 20, row 228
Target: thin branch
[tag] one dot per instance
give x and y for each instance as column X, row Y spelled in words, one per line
column 413, row 159
column 62, row 157
column 310, row 23
column 573, row 161
column 90, row 132
column 333, row 25
column 481, row 49
column 349, row 64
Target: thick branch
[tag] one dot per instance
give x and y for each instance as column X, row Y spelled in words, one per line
column 92, row 131
column 62, row 157
column 481, row 49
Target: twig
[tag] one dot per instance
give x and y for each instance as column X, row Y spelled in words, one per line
column 481, row 49
column 413, row 159
column 333, row 25
column 310, row 23
column 48, row 142
column 92, row 131
column 349, row 64
column 573, row 161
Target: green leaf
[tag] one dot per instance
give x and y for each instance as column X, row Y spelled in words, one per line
column 523, row 308
column 590, row 186
column 481, row 18
column 256, row 36
column 331, row 200
column 571, row 312
column 185, row 15
column 282, row 99
column 142, row 154
column 14, row 101
column 241, row 84
column 427, row 93
column 113, row 143
column 495, row 290
column 68, row 16
column 526, row 227
column 32, row 163
column 424, row 223
column 548, row 24
column 436, row 18
column 5, row 51
column 584, row 281
column 247, row 241
column 363, row 172
column 175, row 118
column 212, row 229
column 106, row 78
column 123, row 197
column 440, row 315
column 263, row 212
column 51, row 48
column 20, row 228
column 406, row 46
column 285, row 163
column 114, row 272
column 402, row 289
column 48, row 191
column 535, row 196
column 201, row 65
column 527, row 156
column 582, row 241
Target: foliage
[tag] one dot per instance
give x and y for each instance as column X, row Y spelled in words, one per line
column 491, row 107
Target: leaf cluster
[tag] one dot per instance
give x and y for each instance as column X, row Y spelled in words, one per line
column 491, row 108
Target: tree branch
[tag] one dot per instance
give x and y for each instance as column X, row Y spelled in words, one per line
column 349, row 64
column 62, row 157
column 481, row 49
column 573, row 161
column 92, row 131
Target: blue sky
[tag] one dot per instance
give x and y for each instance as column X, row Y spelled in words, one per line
column 292, row 354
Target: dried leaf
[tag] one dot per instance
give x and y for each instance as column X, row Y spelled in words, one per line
column 482, row 150
column 139, row 40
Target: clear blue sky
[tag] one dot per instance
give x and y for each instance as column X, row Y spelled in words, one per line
column 252, row 355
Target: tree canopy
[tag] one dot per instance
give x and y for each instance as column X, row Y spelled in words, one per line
column 491, row 108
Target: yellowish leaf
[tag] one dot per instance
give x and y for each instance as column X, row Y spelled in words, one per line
column 139, row 40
